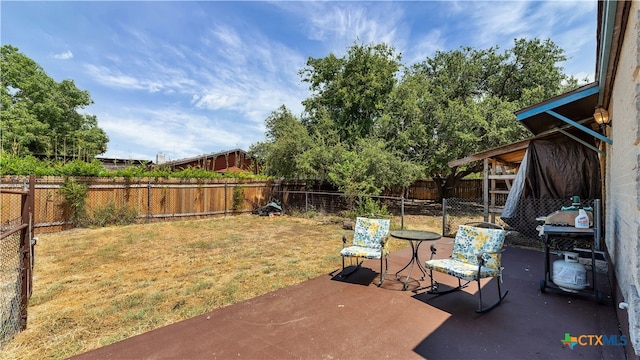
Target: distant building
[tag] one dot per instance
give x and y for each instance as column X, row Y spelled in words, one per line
column 116, row 164
column 235, row 160
column 108, row 163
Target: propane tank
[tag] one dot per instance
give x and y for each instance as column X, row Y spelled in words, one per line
column 569, row 274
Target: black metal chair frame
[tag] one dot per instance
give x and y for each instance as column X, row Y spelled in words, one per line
column 481, row 261
column 358, row 265
column 383, row 255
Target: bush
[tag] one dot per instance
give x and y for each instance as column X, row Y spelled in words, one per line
column 80, row 168
column 110, row 214
column 14, row 165
column 75, row 195
column 367, row 206
column 238, row 198
column 26, row 165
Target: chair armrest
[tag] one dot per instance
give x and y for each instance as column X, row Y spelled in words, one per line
column 384, row 241
column 433, row 248
column 480, row 256
column 433, row 244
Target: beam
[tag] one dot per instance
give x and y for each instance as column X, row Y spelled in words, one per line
column 556, row 103
column 580, row 126
column 490, row 153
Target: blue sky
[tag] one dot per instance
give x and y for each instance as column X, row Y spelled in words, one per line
column 190, row 78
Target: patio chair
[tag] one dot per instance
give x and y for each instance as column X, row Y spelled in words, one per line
column 369, row 242
column 477, row 254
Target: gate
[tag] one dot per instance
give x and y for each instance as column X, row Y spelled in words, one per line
column 16, row 257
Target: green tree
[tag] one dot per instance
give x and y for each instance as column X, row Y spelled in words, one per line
column 462, row 101
column 286, row 139
column 369, row 168
column 529, row 64
column 40, row 115
column 350, row 92
column 365, row 128
column 343, row 117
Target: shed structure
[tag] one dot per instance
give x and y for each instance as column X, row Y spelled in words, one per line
column 566, row 145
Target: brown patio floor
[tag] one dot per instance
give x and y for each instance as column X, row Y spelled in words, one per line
column 327, row 318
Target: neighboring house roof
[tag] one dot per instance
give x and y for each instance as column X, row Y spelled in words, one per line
column 109, row 163
column 217, row 162
column 115, row 163
column 200, row 157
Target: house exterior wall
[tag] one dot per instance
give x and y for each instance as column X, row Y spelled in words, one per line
column 622, row 199
column 220, row 162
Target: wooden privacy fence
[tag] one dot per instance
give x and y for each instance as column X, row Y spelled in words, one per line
column 149, row 198
column 161, row 198
column 427, row 190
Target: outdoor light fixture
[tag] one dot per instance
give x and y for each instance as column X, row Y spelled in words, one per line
column 601, row 115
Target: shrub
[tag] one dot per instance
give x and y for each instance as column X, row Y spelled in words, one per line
column 238, row 198
column 110, row 214
column 75, row 195
column 367, row 206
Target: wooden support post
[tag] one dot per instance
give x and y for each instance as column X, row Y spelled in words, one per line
column 485, row 188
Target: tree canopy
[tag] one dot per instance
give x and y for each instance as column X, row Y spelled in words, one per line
column 372, row 123
column 40, row 116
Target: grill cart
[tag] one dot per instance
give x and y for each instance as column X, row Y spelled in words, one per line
column 564, row 238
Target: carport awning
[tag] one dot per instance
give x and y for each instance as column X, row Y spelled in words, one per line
column 569, row 110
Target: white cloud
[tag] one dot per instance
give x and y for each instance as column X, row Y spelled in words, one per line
column 251, row 75
column 114, row 78
column 204, row 80
column 425, row 46
column 64, row 55
column 337, row 25
column 172, row 131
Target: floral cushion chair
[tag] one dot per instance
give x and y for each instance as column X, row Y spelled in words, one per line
column 369, row 242
column 477, row 254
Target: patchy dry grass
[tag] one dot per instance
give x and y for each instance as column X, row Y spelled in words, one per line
column 94, row 287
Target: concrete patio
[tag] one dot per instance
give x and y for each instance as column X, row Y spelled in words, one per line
column 331, row 318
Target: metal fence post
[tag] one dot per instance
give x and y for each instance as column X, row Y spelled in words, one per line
column 25, row 248
column 148, row 200
column 444, row 215
column 402, row 212
column 306, row 201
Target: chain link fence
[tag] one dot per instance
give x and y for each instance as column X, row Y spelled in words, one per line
column 334, row 203
column 456, row 211
column 522, row 225
column 16, row 258
column 10, row 288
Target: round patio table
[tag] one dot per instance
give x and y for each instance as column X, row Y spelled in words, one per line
column 415, row 238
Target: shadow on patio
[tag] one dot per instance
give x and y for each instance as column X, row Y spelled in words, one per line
column 328, row 318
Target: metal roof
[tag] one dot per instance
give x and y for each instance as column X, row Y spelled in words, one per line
column 200, row 157
column 573, row 109
column 577, row 105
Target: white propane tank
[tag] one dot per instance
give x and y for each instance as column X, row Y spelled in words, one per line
column 569, row 274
